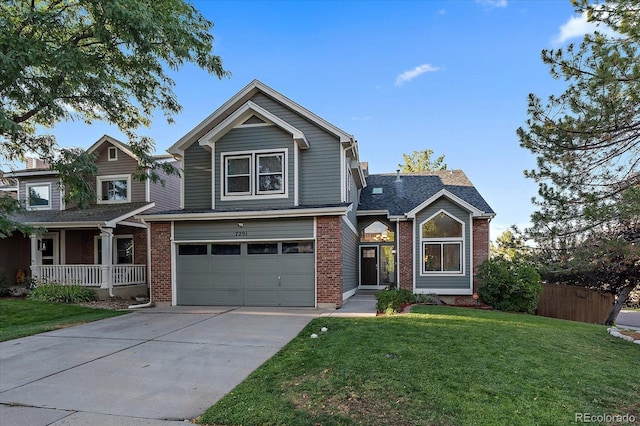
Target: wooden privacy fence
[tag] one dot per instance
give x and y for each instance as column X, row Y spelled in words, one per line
column 574, row 303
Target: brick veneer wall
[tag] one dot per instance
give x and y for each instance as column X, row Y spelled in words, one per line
column 480, row 246
column 160, row 262
column 329, row 261
column 140, row 246
column 405, row 254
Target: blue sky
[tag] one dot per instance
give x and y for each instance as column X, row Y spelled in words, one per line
column 451, row 76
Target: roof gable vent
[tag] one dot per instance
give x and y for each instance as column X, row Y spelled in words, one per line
column 254, row 120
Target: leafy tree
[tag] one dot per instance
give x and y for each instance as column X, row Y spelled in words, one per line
column 510, row 244
column 588, row 157
column 420, row 161
column 92, row 60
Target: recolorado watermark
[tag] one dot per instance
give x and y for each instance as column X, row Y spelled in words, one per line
column 605, row 418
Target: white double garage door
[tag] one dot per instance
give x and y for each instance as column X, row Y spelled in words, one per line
column 245, row 273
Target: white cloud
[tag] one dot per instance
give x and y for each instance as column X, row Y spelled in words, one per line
column 411, row 74
column 577, row 27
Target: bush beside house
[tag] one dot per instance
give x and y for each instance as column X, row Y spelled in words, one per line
column 509, row 285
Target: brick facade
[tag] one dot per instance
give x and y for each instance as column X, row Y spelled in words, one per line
column 329, row 261
column 480, row 246
column 160, row 280
column 405, row 255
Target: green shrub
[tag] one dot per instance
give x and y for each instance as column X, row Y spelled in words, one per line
column 4, row 284
column 57, row 293
column 509, row 285
column 391, row 301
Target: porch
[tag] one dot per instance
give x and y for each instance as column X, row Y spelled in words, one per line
column 100, row 276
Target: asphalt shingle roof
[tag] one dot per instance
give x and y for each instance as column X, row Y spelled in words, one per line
column 400, row 196
column 93, row 213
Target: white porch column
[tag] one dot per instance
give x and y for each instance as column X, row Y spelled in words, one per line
column 36, row 256
column 106, row 236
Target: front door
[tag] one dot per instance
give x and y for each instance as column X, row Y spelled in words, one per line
column 369, row 265
column 49, row 247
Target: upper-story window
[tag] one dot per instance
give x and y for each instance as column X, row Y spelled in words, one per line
column 39, row 196
column 255, row 173
column 442, row 244
column 112, row 153
column 114, row 189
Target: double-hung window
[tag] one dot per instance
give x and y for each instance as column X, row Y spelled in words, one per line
column 442, row 245
column 114, row 189
column 256, row 173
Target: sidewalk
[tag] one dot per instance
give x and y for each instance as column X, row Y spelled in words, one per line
column 362, row 304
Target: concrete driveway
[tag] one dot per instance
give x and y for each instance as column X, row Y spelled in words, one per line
column 141, row 368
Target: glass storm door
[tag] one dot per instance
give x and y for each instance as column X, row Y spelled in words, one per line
column 387, row 265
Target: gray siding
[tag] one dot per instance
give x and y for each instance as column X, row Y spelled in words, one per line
column 252, row 139
column 166, row 197
column 320, row 168
column 257, row 230
column 350, row 242
column 55, row 189
column 197, row 178
column 444, row 282
column 125, row 165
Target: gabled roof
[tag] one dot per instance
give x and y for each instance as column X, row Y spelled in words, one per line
column 240, row 98
column 108, row 139
column 95, row 215
column 407, row 194
column 247, row 110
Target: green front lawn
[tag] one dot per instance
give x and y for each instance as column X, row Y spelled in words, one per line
column 20, row 318
column 439, row 366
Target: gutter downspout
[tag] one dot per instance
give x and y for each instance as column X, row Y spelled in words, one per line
column 149, row 303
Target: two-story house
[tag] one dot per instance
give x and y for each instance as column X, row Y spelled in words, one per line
column 278, row 210
column 103, row 246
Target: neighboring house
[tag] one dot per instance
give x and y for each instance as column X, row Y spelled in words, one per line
column 8, row 186
column 277, row 210
column 102, row 246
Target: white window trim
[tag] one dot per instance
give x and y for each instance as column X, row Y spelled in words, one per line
column 109, row 151
column 224, row 173
column 31, row 185
column 100, row 179
column 257, row 177
column 441, row 241
column 114, row 249
column 254, row 194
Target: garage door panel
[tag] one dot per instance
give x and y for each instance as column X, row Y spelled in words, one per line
column 262, row 264
column 297, row 282
column 296, row 297
column 260, row 279
column 198, row 297
column 261, row 297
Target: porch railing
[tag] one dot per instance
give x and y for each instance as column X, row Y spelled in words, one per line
column 91, row 275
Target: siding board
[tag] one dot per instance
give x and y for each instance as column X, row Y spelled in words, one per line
column 124, row 165
column 350, row 243
column 228, row 230
column 197, row 178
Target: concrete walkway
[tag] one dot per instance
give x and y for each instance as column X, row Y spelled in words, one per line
column 153, row 367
